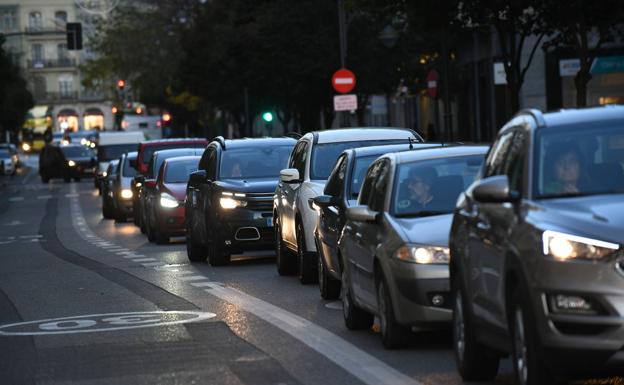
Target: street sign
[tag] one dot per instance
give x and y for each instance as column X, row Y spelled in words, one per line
column 432, row 83
column 343, row 81
column 345, row 102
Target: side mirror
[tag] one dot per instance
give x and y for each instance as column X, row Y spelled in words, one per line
column 323, row 201
column 494, row 189
column 362, row 214
column 290, row 175
column 198, row 177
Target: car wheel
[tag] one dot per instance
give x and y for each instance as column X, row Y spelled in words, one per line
column 216, row 255
column 107, row 211
column 307, row 264
column 160, row 237
column 150, row 231
column 354, row 317
column 475, row 362
column 194, row 251
column 283, row 258
column 329, row 287
column 393, row 334
column 120, row 216
column 142, row 224
column 45, row 179
column 529, row 368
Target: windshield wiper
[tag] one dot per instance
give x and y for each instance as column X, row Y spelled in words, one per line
column 423, row 213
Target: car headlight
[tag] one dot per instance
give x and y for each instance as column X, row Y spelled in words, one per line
column 166, row 200
column 26, row 147
column 565, row 247
column 92, row 145
column 126, row 193
column 423, row 254
column 71, row 163
column 228, row 202
column 83, row 141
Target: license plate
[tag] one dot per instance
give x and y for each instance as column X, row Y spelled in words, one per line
column 269, row 221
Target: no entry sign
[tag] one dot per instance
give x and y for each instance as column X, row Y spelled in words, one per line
column 343, row 81
column 432, row 83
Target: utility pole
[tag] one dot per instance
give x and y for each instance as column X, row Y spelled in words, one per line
column 342, row 32
column 448, row 115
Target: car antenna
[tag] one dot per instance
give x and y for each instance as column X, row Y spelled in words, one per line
column 411, row 146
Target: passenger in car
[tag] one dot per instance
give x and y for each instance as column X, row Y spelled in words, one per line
column 419, row 195
column 235, row 170
column 566, row 171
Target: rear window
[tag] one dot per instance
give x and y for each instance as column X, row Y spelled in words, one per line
column 77, row 152
column 148, row 151
column 114, row 151
column 129, row 171
column 178, row 172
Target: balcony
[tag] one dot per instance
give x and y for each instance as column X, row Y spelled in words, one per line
column 56, row 63
column 55, row 97
column 41, row 30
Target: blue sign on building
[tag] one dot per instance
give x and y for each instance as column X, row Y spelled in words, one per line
column 607, row 65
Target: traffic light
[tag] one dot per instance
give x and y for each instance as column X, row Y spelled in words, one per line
column 267, row 117
column 121, row 84
column 74, row 36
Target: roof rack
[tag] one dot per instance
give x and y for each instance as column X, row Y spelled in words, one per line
column 221, row 140
column 536, row 114
column 293, row 134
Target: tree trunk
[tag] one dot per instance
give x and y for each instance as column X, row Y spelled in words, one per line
column 581, row 80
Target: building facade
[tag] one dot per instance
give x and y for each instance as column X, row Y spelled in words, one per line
column 36, row 39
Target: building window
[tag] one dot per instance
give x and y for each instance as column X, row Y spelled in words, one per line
column 40, row 87
column 66, row 86
column 8, row 19
column 37, row 54
column 35, row 21
column 60, row 19
column 61, row 51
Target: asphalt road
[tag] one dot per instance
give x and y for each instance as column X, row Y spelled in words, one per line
column 86, row 301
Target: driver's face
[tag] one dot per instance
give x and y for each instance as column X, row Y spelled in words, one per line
column 418, row 186
column 567, row 168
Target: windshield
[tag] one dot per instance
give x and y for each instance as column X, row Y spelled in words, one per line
column 159, row 159
column 4, row 153
column 576, row 161
column 359, row 172
column 76, row 152
column 128, row 170
column 179, row 171
column 324, row 156
column 114, row 151
column 431, row 187
column 254, row 162
column 150, row 150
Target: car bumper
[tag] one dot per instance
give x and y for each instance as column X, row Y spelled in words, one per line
column 125, row 205
column 245, row 230
column 416, row 290
column 580, row 342
column 170, row 220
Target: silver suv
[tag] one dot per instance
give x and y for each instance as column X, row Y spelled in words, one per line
column 310, row 164
column 536, row 250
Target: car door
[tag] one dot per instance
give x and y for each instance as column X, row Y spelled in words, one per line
column 330, row 221
column 290, row 191
column 204, row 196
column 193, row 211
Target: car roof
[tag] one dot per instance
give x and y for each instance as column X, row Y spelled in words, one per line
column 384, row 149
column 584, row 115
column 354, row 134
column 180, row 159
column 246, row 142
column 170, row 152
column 439, row 152
column 155, row 142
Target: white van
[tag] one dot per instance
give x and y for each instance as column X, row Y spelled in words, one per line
column 150, row 125
column 111, row 145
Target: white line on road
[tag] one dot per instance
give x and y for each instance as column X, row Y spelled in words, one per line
column 16, row 199
column 71, row 195
column 44, row 197
column 192, row 278
column 202, row 284
column 152, row 264
column 143, row 260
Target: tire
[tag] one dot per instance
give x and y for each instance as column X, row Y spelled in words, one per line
column 308, row 271
column 160, row 237
column 45, row 179
column 216, row 255
column 120, row 216
column 66, row 179
column 393, row 334
column 283, row 257
column 195, row 252
column 529, row 367
column 77, row 179
column 354, row 317
column 107, row 211
column 150, row 231
column 328, row 286
column 475, row 361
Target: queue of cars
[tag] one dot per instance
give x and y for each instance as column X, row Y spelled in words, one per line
column 515, row 248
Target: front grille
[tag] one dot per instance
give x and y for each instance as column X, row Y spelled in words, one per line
column 260, row 201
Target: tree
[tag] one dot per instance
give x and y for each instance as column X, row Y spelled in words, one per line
column 15, row 99
column 514, row 22
column 585, row 27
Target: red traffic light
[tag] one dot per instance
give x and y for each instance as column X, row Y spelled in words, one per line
column 121, row 84
column 166, row 117
column 114, row 110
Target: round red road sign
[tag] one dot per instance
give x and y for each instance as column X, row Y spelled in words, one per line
column 343, row 81
column 432, row 83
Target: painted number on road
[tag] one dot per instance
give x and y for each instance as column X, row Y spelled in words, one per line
column 103, row 322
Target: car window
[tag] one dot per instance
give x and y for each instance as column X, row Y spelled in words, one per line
column 300, row 158
column 76, row 151
column 242, row 163
column 371, row 174
column 211, row 164
column 573, row 160
column 150, row 150
column 514, row 163
column 379, row 185
column 336, row 179
column 360, row 166
column 494, row 164
column 179, row 171
column 128, row 170
column 113, row 151
column 431, row 187
column 295, row 154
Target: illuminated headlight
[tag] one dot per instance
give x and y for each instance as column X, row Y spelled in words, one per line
column 26, row 147
column 168, row 201
column 64, row 142
column 126, row 193
column 92, row 145
column 423, row 254
column 564, row 247
column 84, row 142
column 104, row 174
column 71, row 163
column 139, row 184
column 228, row 202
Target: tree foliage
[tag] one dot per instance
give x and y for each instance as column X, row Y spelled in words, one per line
column 15, row 99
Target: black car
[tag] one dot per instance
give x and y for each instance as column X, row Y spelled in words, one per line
column 108, row 208
column 536, row 247
column 341, row 192
column 66, row 161
column 229, row 200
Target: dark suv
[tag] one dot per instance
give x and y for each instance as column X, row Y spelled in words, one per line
column 66, row 161
column 537, row 266
column 229, row 200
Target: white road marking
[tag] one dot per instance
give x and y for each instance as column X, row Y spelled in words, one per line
column 143, row 260
column 152, row 264
column 44, row 197
column 31, row 236
column 192, row 278
column 71, row 195
column 357, row 362
column 16, row 199
column 131, row 256
column 202, row 284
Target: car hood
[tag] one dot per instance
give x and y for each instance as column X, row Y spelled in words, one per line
column 81, row 160
column 178, row 190
column 255, row 185
column 596, row 216
column 432, row 230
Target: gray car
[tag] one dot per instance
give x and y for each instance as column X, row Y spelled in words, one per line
column 536, row 250
column 394, row 245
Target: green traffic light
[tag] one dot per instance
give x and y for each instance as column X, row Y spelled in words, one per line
column 267, row 116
